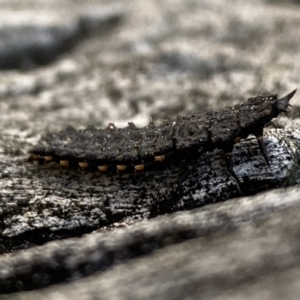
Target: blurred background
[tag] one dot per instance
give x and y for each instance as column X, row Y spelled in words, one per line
column 82, row 62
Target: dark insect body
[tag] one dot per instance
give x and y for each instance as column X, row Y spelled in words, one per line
column 135, row 149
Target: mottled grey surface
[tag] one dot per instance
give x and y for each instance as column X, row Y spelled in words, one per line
column 165, row 58
column 36, row 199
column 28, row 46
column 186, row 268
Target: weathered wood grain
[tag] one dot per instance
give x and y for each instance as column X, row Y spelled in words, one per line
column 129, row 200
column 38, row 202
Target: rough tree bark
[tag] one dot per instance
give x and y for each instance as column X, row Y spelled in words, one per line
column 35, row 201
column 162, row 60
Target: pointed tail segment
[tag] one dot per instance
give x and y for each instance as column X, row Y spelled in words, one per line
column 282, row 106
column 283, row 103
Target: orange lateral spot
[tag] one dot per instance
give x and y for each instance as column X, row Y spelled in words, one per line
column 102, row 168
column 64, row 163
column 267, row 112
column 83, row 164
column 159, row 158
column 139, row 167
column 48, row 158
column 121, row 167
column 237, row 139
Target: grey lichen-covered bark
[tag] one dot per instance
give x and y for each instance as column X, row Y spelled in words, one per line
column 43, row 198
column 238, row 249
column 38, row 199
column 163, row 60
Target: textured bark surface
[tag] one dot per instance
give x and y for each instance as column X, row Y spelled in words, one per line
column 36, row 200
column 162, row 60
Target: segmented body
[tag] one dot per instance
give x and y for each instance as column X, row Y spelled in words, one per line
column 135, row 149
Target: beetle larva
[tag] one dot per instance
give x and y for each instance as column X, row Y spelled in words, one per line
column 136, row 149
